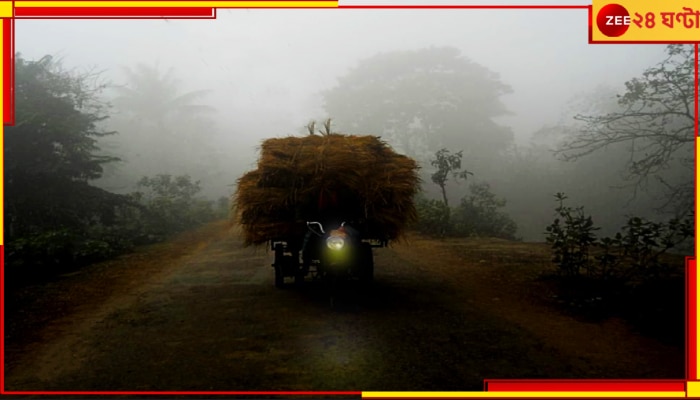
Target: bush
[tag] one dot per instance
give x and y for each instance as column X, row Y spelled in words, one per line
column 631, row 256
column 171, row 205
column 433, row 217
column 479, row 215
column 629, row 274
column 106, row 226
column 571, row 238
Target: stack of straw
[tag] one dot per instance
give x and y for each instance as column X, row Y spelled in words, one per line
column 377, row 186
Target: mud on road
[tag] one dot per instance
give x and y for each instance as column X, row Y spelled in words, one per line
column 201, row 313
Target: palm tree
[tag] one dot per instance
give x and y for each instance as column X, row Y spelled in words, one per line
column 152, row 97
column 159, row 126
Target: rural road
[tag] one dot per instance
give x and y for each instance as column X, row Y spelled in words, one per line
column 200, row 313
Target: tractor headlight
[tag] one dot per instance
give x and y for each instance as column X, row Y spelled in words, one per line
column 335, row 243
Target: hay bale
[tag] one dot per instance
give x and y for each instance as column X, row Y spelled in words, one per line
column 276, row 199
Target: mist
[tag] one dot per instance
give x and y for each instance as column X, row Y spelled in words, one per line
column 265, row 72
column 523, row 208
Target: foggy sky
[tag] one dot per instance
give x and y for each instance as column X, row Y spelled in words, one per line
column 267, row 67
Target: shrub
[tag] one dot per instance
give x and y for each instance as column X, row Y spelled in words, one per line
column 633, row 255
column 479, row 215
column 433, row 217
column 571, row 236
column 628, row 275
column 171, row 205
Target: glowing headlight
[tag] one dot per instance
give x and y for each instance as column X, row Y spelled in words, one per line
column 335, row 243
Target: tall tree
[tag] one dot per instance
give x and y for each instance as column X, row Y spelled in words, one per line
column 161, row 127
column 153, row 96
column 423, row 100
column 656, row 122
column 51, row 152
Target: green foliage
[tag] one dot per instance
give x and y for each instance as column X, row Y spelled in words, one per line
column 628, row 275
column 479, row 215
column 172, row 204
column 632, row 256
column 55, row 133
column 571, row 238
column 166, row 206
column 49, row 158
column 54, row 219
column 447, row 164
column 433, row 217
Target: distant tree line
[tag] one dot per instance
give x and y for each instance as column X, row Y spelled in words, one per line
column 620, row 154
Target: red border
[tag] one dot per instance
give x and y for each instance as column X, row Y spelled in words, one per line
column 516, row 385
column 491, row 385
column 128, row 12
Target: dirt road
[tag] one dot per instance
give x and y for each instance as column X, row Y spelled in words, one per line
column 201, row 313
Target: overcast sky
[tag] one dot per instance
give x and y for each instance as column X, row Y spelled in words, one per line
column 266, row 67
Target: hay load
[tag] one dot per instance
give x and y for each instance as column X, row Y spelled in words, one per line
column 376, row 186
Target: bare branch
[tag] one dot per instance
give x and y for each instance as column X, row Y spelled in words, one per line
column 655, row 118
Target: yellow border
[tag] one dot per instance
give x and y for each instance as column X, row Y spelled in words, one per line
column 6, row 10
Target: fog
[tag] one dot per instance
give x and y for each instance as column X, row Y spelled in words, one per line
column 266, row 69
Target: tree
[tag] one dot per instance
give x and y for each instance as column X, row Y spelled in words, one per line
column 152, row 96
column 161, row 128
column 447, row 164
column 50, row 155
column 56, row 125
column 421, row 101
column 656, row 121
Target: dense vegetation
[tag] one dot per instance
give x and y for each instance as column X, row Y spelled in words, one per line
column 630, row 274
column 55, row 218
